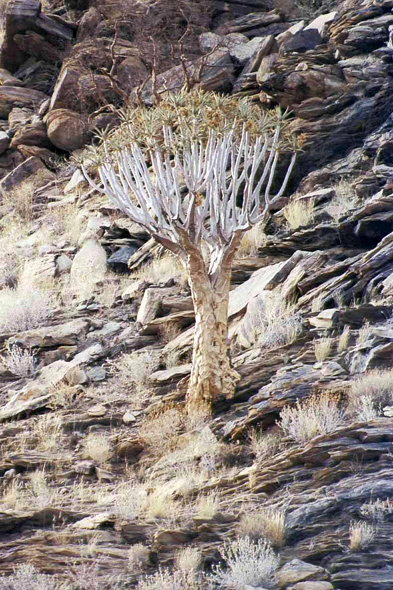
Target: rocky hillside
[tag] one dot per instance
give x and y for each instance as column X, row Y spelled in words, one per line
column 106, row 482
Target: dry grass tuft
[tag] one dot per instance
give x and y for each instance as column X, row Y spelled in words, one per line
column 27, row 577
column 160, row 270
column 277, row 323
column 377, row 510
column 323, row 348
column 299, row 213
column 18, row 361
column 23, row 309
column 268, row 524
column 247, row 564
column 130, row 499
column 344, row 339
column 188, row 560
column 160, row 432
column 132, row 372
column 252, row 240
column 361, row 534
column 208, row 505
column 344, row 200
column 98, row 448
column 363, row 333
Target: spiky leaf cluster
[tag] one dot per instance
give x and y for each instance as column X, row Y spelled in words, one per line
column 190, row 116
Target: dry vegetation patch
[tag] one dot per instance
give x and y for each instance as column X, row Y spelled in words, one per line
column 369, row 394
column 316, row 415
column 299, row 213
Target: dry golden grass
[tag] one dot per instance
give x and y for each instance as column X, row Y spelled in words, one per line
column 299, row 213
column 252, row 240
column 188, row 559
column 323, row 348
column 208, row 505
column 47, row 430
column 98, row 448
column 361, row 534
column 160, row 432
column 363, row 333
column 132, row 371
column 344, row 339
column 161, row 269
column 268, row 524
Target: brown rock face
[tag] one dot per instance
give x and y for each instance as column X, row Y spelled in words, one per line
column 66, row 130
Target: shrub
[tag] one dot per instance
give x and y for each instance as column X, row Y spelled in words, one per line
column 277, row 323
column 316, row 415
column 138, row 557
column 23, row 309
column 26, row 577
column 370, row 393
column 361, row 534
column 263, row 445
column 19, row 362
column 247, row 564
column 132, row 372
column 166, row 580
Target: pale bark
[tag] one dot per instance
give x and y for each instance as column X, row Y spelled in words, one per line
column 213, row 378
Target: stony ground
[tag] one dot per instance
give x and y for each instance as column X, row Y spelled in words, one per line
column 104, row 476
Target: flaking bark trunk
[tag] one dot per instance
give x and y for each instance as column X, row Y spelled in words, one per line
column 213, row 378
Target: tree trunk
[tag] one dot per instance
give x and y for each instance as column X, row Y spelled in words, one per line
column 212, row 377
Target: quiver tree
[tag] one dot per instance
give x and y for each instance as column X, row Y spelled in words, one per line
column 201, row 192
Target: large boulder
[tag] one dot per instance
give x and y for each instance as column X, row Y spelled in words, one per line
column 66, row 130
column 12, row 96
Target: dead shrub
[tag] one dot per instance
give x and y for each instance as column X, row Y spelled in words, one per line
column 312, row 417
column 369, row 394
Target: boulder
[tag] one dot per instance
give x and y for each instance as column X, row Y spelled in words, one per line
column 66, row 130
column 88, row 24
column 33, row 134
column 296, row 571
column 131, row 72
column 244, row 51
column 210, row 41
column 11, row 96
column 20, row 173
column 64, row 334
